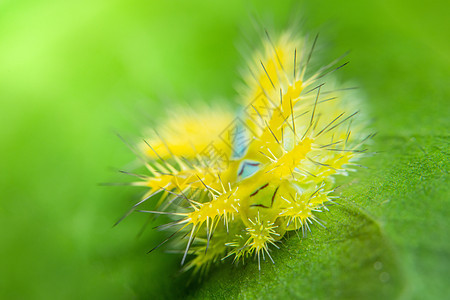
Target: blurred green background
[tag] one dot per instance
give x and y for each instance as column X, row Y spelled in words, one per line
column 73, row 73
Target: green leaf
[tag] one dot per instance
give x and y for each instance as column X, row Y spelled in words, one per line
column 387, row 233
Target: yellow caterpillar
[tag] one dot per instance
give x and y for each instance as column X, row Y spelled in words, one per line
column 235, row 184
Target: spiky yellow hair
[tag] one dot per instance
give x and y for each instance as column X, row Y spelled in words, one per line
column 236, row 184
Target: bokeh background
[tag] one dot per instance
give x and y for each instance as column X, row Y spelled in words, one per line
column 75, row 73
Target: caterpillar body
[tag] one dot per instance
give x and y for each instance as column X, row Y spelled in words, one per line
column 234, row 185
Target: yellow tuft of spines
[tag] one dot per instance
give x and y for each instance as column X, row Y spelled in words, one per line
column 236, row 184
